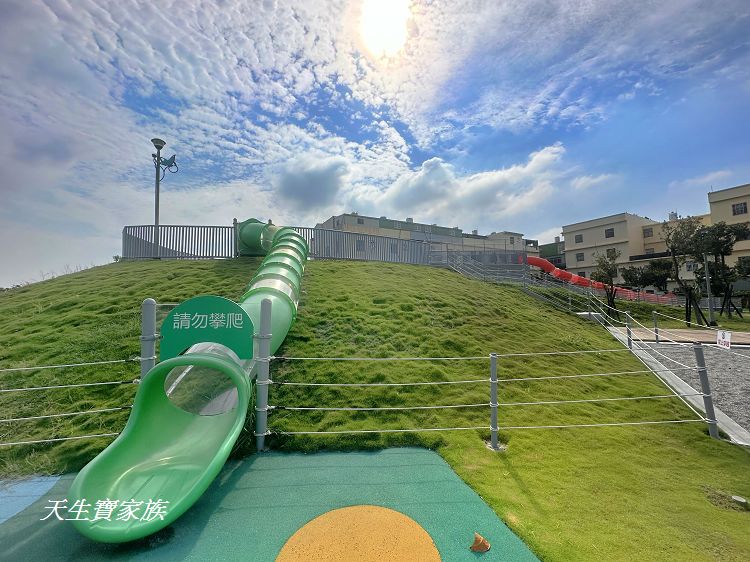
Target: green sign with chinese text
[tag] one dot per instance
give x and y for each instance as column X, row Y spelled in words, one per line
column 206, row 318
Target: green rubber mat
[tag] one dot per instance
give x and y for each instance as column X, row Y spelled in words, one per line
column 255, row 505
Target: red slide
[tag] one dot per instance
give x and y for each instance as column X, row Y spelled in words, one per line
column 564, row 275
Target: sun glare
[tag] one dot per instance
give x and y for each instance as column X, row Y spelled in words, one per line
column 383, row 26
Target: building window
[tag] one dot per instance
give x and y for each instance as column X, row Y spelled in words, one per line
column 579, row 238
column 579, row 256
column 690, row 266
column 649, row 251
column 360, row 221
column 648, row 232
column 609, row 232
column 581, row 274
column 359, row 245
column 739, row 208
column 611, row 253
column 512, row 239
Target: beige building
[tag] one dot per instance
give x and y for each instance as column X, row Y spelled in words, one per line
column 623, row 233
column 441, row 236
column 640, row 239
column 731, row 206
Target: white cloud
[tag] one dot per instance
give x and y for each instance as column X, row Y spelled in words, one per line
column 548, row 235
column 233, row 86
column 311, row 183
column 705, row 180
column 488, row 200
column 586, row 182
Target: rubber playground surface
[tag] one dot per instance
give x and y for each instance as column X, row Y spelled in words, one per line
column 255, row 505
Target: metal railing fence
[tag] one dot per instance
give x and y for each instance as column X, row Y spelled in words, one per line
column 206, row 242
column 179, row 242
column 341, row 245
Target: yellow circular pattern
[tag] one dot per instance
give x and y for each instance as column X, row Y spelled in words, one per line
column 363, row 533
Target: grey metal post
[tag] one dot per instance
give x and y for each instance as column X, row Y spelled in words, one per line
column 629, row 330
column 493, row 402
column 656, row 325
column 708, row 402
column 235, row 240
column 264, row 351
column 148, row 336
column 156, row 203
column 711, row 320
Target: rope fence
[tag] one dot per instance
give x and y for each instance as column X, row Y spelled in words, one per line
column 686, row 321
column 347, row 384
column 264, row 382
column 637, row 344
column 79, row 385
column 147, row 359
column 493, row 403
column 500, row 428
column 99, row 411
column 685, row 341
column 57, row 439
column 72, row 365
column 471, row 358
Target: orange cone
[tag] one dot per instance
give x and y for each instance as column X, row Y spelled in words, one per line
column 480, row 544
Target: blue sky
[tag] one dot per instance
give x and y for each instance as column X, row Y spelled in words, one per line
column 481, row 114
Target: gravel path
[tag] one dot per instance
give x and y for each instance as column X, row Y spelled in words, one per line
column 728, row 375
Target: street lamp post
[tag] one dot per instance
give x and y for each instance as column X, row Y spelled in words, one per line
column 161, row 167
column 158, row 144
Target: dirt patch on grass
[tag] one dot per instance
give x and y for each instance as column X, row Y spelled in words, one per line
column 722, row 499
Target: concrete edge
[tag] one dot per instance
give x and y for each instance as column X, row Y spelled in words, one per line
column 737, row 434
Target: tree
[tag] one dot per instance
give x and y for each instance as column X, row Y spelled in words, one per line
column 742, row 267
column 606, row 266
column 718, row 240
column 657, row 273
column 679, row 238
column 721, row 276
column 634, row 276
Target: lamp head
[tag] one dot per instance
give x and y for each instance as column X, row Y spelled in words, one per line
column 158, row 143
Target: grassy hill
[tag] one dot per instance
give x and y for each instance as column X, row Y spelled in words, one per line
column 648, row 492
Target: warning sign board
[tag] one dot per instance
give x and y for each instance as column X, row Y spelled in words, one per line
column 724, row 339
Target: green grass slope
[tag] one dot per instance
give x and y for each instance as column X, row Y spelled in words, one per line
column 647, row 492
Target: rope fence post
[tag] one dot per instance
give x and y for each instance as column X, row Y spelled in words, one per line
column 263, row 338
column 148, row 336
column 493, row 402
column 629, row 330
column 235, row 238
column 656, row 325
column 708, row 402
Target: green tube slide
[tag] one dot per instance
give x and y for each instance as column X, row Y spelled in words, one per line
column 176, row 442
